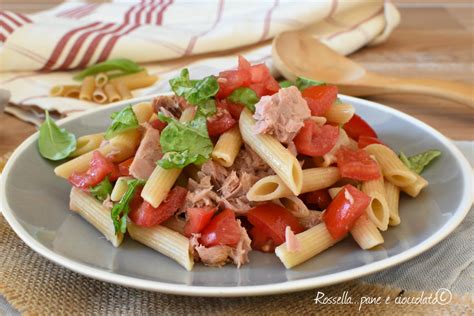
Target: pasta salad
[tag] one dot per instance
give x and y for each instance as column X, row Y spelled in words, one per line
column 235, row 163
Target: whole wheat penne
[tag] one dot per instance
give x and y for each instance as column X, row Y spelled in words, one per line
column 340, row 113
column 392, row 195
column 87, row 143
column 95, row 213
column 112, row 94
column 227, row 147
column 87, row 88
column 273, row 187
column 166, row 241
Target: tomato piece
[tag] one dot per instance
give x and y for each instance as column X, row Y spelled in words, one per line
column 99, row 168
column 357, row 127
column 314, row 140
column 272, row 220
column 220, row 123
column 232, row 79
column 357, row 164
column 261, row 241
column 197, row 219
column 244, row 64
column 146, row 215
column 348, row 205
column 124, row 167
column 223, row 229
column 271, row 85
column 321, row 198
column 159, row 125
column 259, row 73
column 365, row 141
column 233, row 108
column 320, row 98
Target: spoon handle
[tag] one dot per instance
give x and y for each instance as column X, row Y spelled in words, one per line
column 372, row 84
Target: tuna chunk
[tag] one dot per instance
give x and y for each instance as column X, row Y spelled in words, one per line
column 281, row 114
column 170, row 105
column 148, row 153
column 292, row 243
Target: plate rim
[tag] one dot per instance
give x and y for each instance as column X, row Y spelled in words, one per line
column 250, row 290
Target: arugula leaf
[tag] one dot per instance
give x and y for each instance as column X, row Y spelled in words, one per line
column 418, row 162
column 121, row 209
column 122, row 121
column 125, row 66
column 184, row 143
column 102, row 190
column 244, row 96
column 303, row 83
column 55, row 143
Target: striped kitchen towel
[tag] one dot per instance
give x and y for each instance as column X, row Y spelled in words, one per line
column 40, row 50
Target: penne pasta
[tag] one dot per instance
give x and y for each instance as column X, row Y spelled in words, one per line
column 72, row 92
column 340, row 113
column 378, row 210
column 273, row 187
column 365, row 233
column 101, row 80
column 60, row 90
column 122, row 89
column 320, row 120
column 98, row 96
column 87, row 88
column 334, row 191
column 415, row 188
column 87, row 143
column 95, row 213
column 285, row 165
column 392, row 195
column 120, row 187
column 312, row 241
column 111, row 93
column 136, row 81
column 166, row 241
column 227, row 147
column 175, row 224
column 392, row 167
column 295, row 206
column 143, row 111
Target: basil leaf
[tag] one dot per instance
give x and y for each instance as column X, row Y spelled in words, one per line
column 102, row 190
column 123, row 65
column 303, row 83
column 244, row 96
column 184, row 143
column 207, row 108
column 418, row 162
column 203, row 90
column 55, row 143
column 286, row 83
column 121, row 209
column 122, row 121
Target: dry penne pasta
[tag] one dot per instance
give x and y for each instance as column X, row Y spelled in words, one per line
column 87, row 88
column 87, row 143
column 99, row 96
column 365, row 233
column 312, row 241
column 340, row 113
column 166, row 241
column 378, row 210
column 112, row 94
column 415, row 188
column 61, row 90
column 392, row 195
column 273, row 187
column 122, row 90
column 101, row 80
column 135, row 81
column 227, row 147
column 285, row 165
column 392, row 167
column 95, row 213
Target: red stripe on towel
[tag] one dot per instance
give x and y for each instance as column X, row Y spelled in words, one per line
column 9, row 17
column 7, row 27
column 110, row 45
column 374, row 15
column 161, row 13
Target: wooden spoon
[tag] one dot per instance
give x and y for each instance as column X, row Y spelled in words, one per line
column 297, row 54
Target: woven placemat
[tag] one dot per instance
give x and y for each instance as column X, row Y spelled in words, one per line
column 36, row 286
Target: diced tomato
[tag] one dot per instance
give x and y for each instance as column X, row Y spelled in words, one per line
column 244, row 64
column 272, row 220
column 261, row 241
column 233, row 108
column 348, row 205
column 197, row 219
column 159, row 125
column 262, row 81
column 124, row 167
column 321, row 198
column 220, row 123
column 357, row 164
column 365, row 141
column 314, row 140
column 320, row 98
column 223, row 229
column 147, row 216
column 357, row 127
column 99, row 168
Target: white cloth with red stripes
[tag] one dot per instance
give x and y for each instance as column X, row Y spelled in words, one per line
column 37, row 49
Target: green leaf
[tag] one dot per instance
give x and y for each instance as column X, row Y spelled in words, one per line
column 122, row 65
column 102, row 190
column 303, row 83
column 338, row 101
column 203, row 90
column 244, row 96
column 121, row 209
column 55, row 143
column 121, row 121
column 418, row 162
column 184, row 143
column 207, row 108
column 286, row 83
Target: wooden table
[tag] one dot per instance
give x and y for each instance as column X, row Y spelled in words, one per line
column 434, row 40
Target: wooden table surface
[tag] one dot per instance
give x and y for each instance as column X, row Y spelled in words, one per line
column 434, row 40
